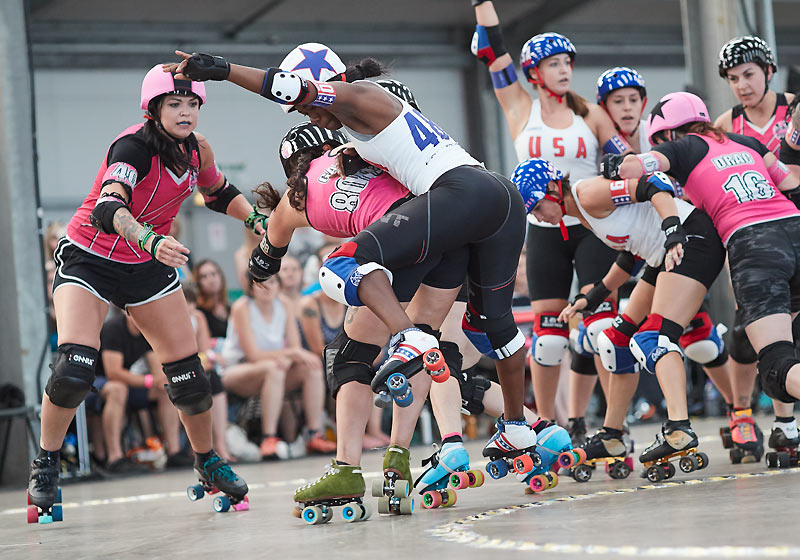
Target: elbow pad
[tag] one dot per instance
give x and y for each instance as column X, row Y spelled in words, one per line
column 487, row 43
column 102, row 216
column 650, row 185
column 283, row 87
column 220, row 199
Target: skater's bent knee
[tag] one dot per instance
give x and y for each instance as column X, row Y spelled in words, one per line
column 498, row 338
column 340, row 274
column 73, row 375
column 347, row 360
column 188, row 386
column 774, row 362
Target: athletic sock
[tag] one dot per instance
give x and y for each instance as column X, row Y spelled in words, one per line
column 613, row 432
column 454, row 437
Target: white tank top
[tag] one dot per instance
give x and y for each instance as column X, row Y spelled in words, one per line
column 572, row 150
column 268, row 336
column 644, row 141
column 413, row 149
column 635, row 228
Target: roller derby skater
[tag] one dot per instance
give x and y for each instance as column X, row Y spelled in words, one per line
column 44, row 493
column 394, row 489
column 340, row 485
column 216, row 476
column 785, row 441
column 109, row 256
column 678, row 441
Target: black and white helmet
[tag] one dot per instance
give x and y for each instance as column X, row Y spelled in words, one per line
column 399, row 89
column 745, row 49
column 306, row 135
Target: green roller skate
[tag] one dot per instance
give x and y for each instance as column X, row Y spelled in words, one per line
column 394, row 488
column 340, row 485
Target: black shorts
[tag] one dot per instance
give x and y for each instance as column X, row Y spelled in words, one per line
column 467, row 209
column 124, row 285
column 765, row 268
column 703, row 253
column 445, row 272
column 550, row 260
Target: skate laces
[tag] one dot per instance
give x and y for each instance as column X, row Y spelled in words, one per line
column 743, row 420
column 222, row 471
column 330, row 468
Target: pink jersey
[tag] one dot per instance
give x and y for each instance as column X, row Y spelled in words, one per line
column 157, row 196
column 731, row 184
column 342, row 207
column 772, row 133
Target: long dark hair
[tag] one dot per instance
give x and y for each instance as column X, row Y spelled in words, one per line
column 365, row 68
column 577, row 103
column 171, row 151
column 701, row 128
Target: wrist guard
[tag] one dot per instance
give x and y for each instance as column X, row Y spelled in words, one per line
column 254, row 218
column 609, row 166
column 201, row 67
column 593, row 297
column 672, row 228
column 262, row 265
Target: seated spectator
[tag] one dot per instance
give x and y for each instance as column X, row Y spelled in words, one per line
column 53, row 232
column 212, row 297
column 121, row 345
column 242, row 256
column 209, row 357
column 263, row 356
column 291, row 274
column 321, row 318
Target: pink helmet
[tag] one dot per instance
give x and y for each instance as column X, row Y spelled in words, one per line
column 674, row 110
column 157, row 82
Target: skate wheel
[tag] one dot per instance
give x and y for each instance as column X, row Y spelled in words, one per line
column 523, row 464
column 349, row 514
column 571, row 458
column 327, row 514
column 45, row 519
column 622, row 470
column 195, row 492
column 479, row 479
column 406, row 506
column 497, row 469
column 459, row 480
column 655, row 473
column 222, row 504
column 312, row 515
column 28, row 496
column 402, row 488
column 441, row 377
column 629, row 462
column 736, row 456
column 383, row 400
column 582, row 473
column 433, row 360
column 782, row 460
column 552, row 480
column 669, row 471
column 365, row 511
column 431, row 499
column 383, row 505
column 538, row 483
column 702, row 460
column 58, row 496
column 405, row 400
column 725, row 435
column 688, row 463
column 377, row 487
column 58, row 513
column 452, row 497
column 297, row 511
column 33, row 514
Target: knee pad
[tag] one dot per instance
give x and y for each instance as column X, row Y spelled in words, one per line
column 340, row 275
column 496, row 338
column 452, row 357
column 73, row 375
column 654, row 340
column 702, row 342
column 796, row 330
column 577, row 341
column 550, row 339
column 188, row 385
column 774, row 362
column 613, row 346
column 583, row 364
column 473, row 388
column 741, row 350
column 348, row 360
column 595, row 323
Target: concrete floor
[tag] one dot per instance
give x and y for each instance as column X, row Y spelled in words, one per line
column 723, row 511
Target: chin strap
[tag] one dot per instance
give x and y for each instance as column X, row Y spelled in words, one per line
column 538, row 81
column 560, row 202
column 638, row 122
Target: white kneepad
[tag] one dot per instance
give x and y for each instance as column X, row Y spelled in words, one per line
column 549, row 349
column 593, row 330
column 708, row 349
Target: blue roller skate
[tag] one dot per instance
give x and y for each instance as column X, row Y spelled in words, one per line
column 552, row 442
column 448, row 466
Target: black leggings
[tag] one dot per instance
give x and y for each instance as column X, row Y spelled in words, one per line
column 466, row 207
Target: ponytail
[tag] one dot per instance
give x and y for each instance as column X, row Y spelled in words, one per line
column 577, row 103
column 366, row 68
column 266, row 196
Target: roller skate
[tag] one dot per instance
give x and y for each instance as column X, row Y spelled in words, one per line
column 449, row 466
column 340, row 485
column 606, row 446
column 394, row 489
column 743, row 437
column 577, row 431
column 677, row 440
column 216, row 476
column 44, row 494
column 512, row 447
column 552, row 443
column 786, row 447
column 412, row 350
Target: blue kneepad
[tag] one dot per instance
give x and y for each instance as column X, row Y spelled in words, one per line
column 339, row 279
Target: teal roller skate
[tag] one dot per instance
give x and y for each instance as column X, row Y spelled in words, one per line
column 394, row 489
column 553, row 441
column 216, row 476
column 340, row 485
column 448, row 466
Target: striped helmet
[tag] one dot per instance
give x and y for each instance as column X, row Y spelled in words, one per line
column 745, row 49
column 399, row 89
column 540, row 47
column 532, row 177
column 618, row 78
column 306, row 135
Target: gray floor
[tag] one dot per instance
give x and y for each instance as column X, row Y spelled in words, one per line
column 723, row 511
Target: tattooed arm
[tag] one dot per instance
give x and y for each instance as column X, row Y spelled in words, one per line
column 310, row 324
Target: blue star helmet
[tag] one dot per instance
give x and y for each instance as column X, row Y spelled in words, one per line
column 618, row 78
column 540, row 47
column 532, row 177
column 312, row 61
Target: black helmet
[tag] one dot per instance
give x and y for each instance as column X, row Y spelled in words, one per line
column 399, row 89
column 306, row 135
column 745, row 49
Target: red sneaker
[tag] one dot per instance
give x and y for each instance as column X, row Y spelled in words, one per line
column 318, row 444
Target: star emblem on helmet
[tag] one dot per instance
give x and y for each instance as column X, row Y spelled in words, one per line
column 315, row 62
column 657, row 110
